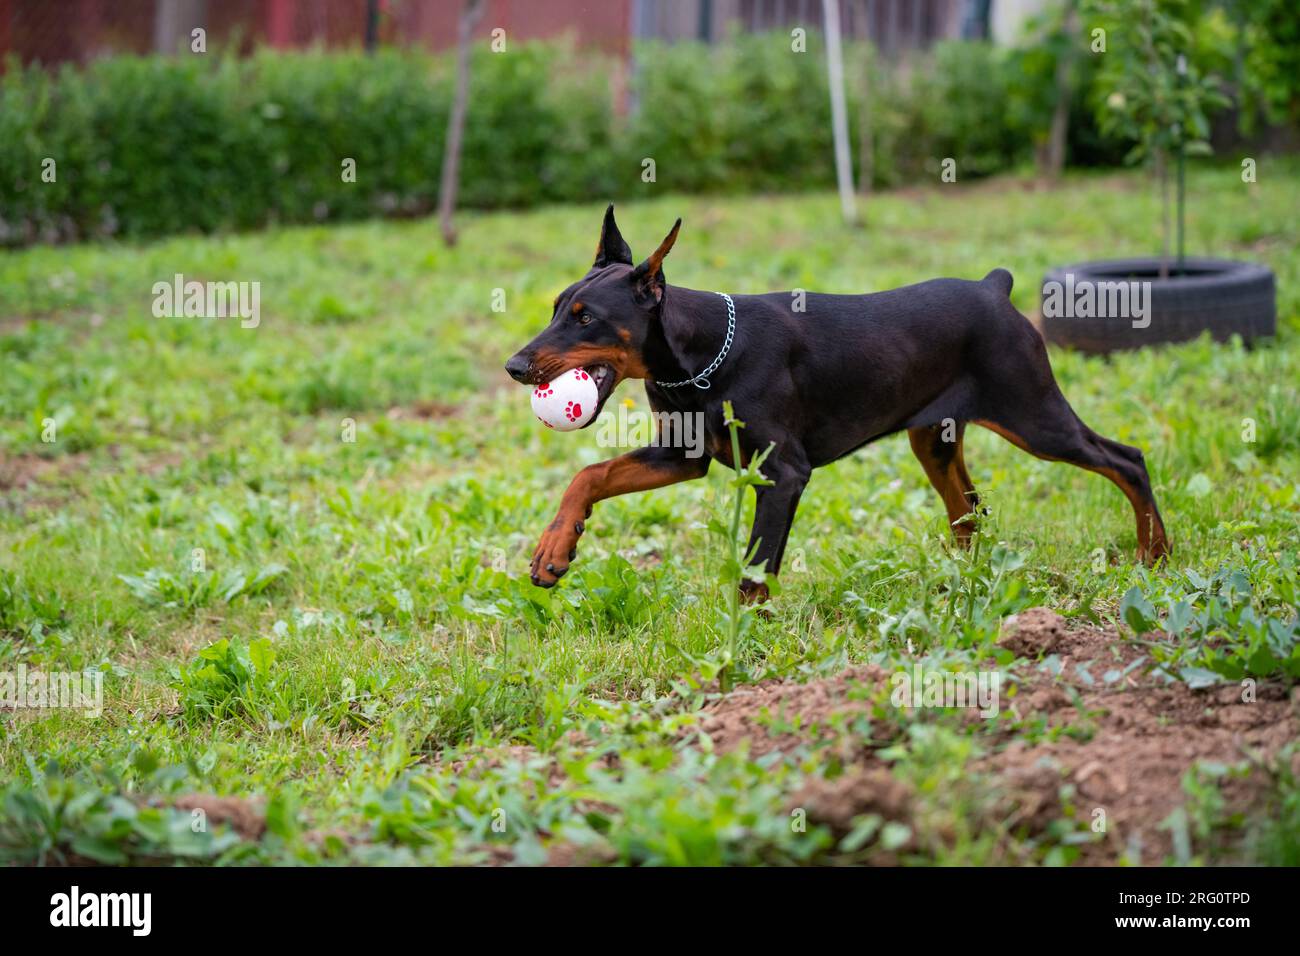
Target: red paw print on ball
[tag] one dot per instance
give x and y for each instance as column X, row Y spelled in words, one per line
column 544, row 390
column 583, row 375
column 573, row 411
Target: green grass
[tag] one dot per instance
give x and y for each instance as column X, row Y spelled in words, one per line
column 351, row 634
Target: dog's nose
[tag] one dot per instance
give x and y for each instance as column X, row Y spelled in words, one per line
column 518, row 369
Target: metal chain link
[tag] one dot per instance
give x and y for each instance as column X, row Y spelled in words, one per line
column 702, row 380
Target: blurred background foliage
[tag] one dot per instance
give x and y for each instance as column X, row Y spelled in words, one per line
column 148, row 146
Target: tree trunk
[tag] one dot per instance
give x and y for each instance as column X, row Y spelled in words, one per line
column 1182, row 202
column 866, row 146
column 839, row 114
column 173, row 20
column 372, row 25
column 1056, row 141
column 456, row 122
column 1162, row 173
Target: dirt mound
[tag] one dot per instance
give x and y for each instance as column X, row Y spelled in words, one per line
column 1109, row 755
column 1137, row 746
column 836, row 802
column 423, row 410
column 1032, row 632
column 780, row 714
column 245, row 817
column 19, row 471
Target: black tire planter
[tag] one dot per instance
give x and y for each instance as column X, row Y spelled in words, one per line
column 1219, row 296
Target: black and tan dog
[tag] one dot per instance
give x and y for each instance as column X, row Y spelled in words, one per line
column 817, row 383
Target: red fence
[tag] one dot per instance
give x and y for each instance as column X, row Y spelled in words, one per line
column 55, row 31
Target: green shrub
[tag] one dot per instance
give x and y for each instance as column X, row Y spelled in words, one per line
column 748, row 115
column 151, row 146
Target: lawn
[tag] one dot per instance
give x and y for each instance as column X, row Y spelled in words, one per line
column 323, row 649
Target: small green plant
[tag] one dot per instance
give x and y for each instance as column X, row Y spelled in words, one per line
column 1216, row 628
column 62, row 818
column 21, row 608
column 738, row 566
column 1278, row 838
column 199, row 588
column 226, row 678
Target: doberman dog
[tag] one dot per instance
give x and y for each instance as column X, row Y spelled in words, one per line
column 816, row 383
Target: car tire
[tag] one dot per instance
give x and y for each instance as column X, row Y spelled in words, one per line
column 1220, row 296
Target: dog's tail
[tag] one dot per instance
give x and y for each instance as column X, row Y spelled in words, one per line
column 999, row 279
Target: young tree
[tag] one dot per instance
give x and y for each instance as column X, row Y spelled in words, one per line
column 866, row 118
column 1157, row 96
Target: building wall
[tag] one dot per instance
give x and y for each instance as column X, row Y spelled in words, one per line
column 890, row 24
column 1008, row 17
column 53, row 31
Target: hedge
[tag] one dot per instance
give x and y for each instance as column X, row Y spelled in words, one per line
column 150, row 146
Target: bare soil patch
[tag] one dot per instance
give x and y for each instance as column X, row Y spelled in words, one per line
column 783, row 714
column 1129, row 743
column 1067, row 744
column 20, row 471
column 245, row 817
column 424, row 410
column 29, row 481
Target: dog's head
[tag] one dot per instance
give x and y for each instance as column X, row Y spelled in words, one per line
column 600, row 322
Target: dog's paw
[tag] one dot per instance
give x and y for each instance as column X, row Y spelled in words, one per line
column 555, row 552
column 1158, row 550
column 754, row 592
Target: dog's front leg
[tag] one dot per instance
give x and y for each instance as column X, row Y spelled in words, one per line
column 640, row 470
column 773, row 516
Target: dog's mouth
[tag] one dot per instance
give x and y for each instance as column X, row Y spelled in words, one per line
column 605, row 378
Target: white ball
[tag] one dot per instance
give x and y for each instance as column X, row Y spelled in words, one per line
column 566, row 403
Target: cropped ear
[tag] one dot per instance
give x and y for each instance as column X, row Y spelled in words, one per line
column 611, row 247
column 648, row 277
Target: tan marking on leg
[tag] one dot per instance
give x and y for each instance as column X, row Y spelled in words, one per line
column 1152, row 541
column 945, row 479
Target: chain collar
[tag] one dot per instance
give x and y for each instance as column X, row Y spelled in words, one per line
column 702, row 380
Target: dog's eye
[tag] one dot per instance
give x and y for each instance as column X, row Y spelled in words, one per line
column 584, row 318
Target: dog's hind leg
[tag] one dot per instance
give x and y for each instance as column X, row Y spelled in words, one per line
column 939, row 450
column 963, row 478
column 1018, row 398
column 1050, row 429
